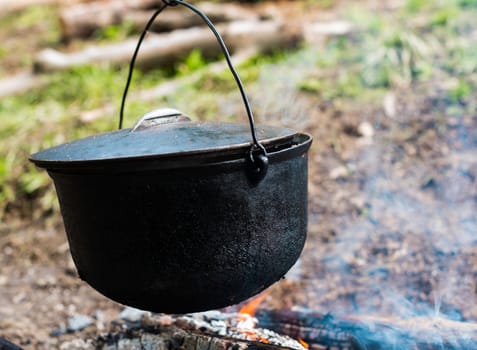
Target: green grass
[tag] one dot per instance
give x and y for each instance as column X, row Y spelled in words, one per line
column 418, row 43
column 115, row 32
column 50, row 116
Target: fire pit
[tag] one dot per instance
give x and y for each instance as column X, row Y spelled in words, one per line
column 285, row 330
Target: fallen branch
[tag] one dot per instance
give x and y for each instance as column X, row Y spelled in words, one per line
column 164, row 49
column 82, row 20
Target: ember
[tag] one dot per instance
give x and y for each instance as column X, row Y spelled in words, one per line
column 214, row 330
column 304, row 343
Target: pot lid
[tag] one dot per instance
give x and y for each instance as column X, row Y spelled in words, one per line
column 162, row 133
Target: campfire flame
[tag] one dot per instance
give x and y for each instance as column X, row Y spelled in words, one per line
column 251, row 307
column 304, row 343
column 247, row 322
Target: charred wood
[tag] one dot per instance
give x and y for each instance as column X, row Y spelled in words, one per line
column 176, row 339
column 313, row 328
column 180, row 333
column 364, row 332
column 6, row 345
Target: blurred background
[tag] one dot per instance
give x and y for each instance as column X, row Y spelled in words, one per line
column 386, row 88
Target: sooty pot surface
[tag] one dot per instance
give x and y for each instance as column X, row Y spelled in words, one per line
column 187, row 239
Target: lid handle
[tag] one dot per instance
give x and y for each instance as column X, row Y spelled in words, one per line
column 166, row 115
column 257, row 152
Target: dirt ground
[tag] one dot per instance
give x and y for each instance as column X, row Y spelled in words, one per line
column 392, row 202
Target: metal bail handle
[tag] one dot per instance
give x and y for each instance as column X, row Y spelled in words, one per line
column 258, row 154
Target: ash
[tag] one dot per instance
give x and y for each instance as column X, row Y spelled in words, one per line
column 134, row 329
column 233, row 326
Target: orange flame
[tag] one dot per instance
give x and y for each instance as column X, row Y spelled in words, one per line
column 304, row 343
column 247, row 323
column 251, row 307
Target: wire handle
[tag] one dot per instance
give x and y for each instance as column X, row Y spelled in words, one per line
column 259, row 161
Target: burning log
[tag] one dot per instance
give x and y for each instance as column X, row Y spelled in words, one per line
column 206, row 331
column 174, row 339
column 82, row 20
column 356, row 332
column 285, row 330
column 163, row 49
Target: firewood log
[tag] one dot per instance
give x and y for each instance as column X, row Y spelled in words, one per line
column 83, row 20
column 357, row 332
column 164, row 49
column 176, row 337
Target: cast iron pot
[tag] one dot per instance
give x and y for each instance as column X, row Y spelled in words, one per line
column 177, row 216
column 185, row 231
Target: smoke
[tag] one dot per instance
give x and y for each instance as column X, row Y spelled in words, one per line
column 275, row 94
column 405, row 236
column 410, row 248
column 274, row 97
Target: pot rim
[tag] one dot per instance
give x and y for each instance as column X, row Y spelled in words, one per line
column 229, row 157
column 168, row 140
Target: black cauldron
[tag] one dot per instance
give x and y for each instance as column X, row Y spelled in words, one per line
column 179, row 216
